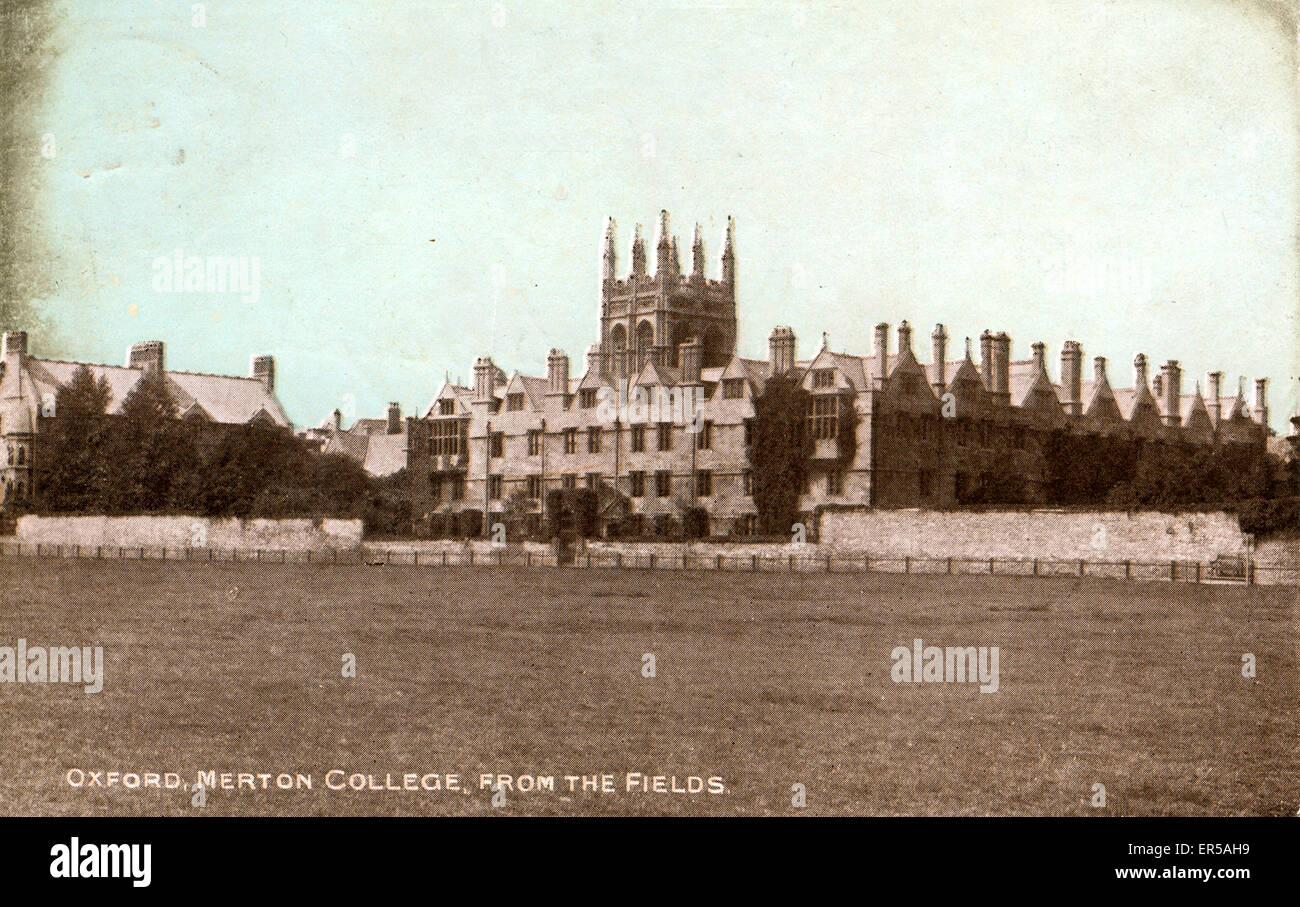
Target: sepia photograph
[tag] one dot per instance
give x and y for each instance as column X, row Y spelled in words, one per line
column 881, row 410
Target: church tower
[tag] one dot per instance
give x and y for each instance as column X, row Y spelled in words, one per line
column 647, row 317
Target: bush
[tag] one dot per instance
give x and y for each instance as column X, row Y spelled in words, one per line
column 470, row 524
column 696, row 523
column 1265, row 516
column 665, row 525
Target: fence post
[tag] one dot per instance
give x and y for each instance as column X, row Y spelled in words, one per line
column 1173, row 571
column 791, row 563
column 907, row 563
column 866, row 563
column 1035, row 566
column 992, row 569
column 828, row 563
column 753, row 562
column 1198, row 571
column 950, row 566
column 1250, row 573
column 652, row 561
column 1082, row 567
column 1128, row 570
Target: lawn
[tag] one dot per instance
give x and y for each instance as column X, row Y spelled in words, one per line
column 765, row 681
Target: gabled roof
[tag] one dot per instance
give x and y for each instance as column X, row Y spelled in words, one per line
column 225, row 398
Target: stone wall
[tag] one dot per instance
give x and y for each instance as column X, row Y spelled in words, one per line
column 188, row 532
column 1047, row 534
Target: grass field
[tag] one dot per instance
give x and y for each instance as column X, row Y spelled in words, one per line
column 766, row 680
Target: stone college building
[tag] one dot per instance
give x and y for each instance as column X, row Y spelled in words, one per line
column 659, row 420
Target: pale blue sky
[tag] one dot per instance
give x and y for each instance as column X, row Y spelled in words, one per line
column 920, row 160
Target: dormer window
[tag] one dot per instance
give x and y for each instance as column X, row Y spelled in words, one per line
column 587, row 398
column 823, row 377
column 446, row 407
column 514, row 402
column 733, row 388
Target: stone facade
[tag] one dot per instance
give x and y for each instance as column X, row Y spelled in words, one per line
column 925, row 433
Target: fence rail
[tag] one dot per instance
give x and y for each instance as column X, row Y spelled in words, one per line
column 1223, row 570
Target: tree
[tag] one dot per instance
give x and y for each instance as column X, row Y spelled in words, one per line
column 150, row 400
column 779, row 450
column 83, row 395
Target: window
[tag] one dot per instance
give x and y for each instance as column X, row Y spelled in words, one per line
column 446, row 407
column 534, row 487
column 498, row 444
column 638, row 483
column 824, row 377
column 593, row 481
column 704, row 438
column 824, row 421
column 569, row 481
column 733, row 388
column 587, row 397
column 494, row 487
column 665, row 436
column 638, row 438
column 704, row 483
column 663, row 483
column 593, row 439
column 435, row 487
column 457, row 487
column 514, row 402
column 835, row 482
column 749, row 432
column 747, row 483
column 570, row 440
column 445, row 438
column 534, row 442
column 747, row 524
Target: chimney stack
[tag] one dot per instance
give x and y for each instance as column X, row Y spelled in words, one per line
column 147, row 355
column 1261, row 401
column 904, row 338
column 1171, row 381
column 593, row 359
column 557, row 372
column 1072, row 377
column 263, row 369
column 780, row 349
column 338, row 420
column 1140, row 371
column 1214, row 385
column 938, row 352
column 986, row 359
column 1099, row 370
column 882, row 352
column 394, row 418
column 691, row 357
column 1002, row 367
column 1040, row 355
column 15, row 344
column 483, row 383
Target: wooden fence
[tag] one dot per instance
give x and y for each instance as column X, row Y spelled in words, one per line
column 1223, row 570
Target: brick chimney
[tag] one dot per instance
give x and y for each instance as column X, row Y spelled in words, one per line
column 394, row 418
column 1002, row 367
column 938, row 354
column 986, row 359
column 780, row 349
column 147, row 355
column 1171, row 384
column 1072, row 377
column 483, row 379
column 1214, row 389
column 263, row 369
column 882, row 352
column 15, row 344
column 691, row 357
column 1261, row 401
column 904, row 338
